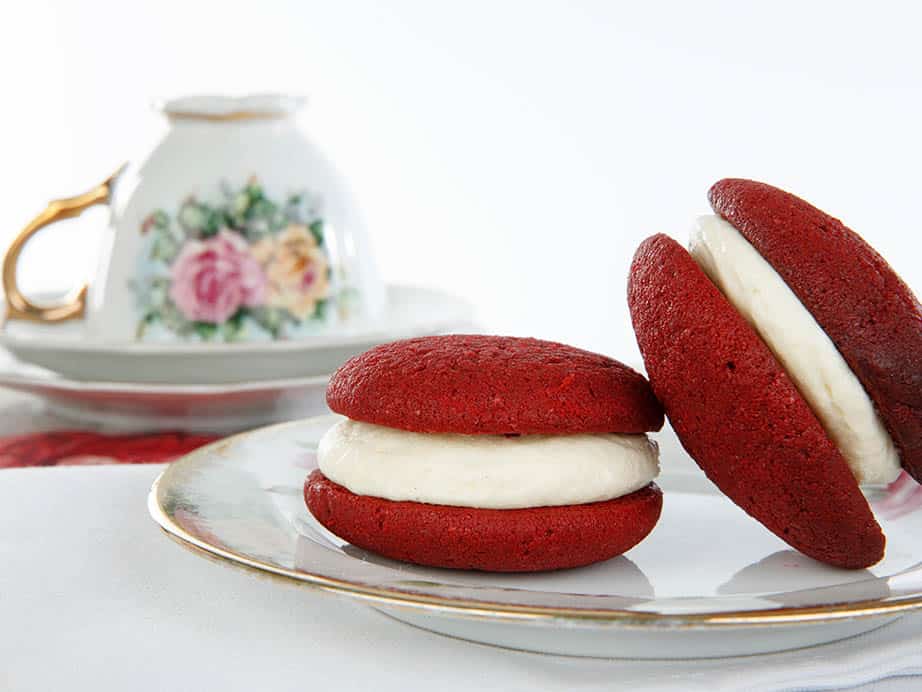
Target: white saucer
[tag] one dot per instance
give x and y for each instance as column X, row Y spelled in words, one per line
column 149, row 407
column 411, row 311
column 709, row 581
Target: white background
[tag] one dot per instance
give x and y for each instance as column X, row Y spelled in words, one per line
column 514, row 153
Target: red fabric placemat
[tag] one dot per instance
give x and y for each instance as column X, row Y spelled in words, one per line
column 78, row 447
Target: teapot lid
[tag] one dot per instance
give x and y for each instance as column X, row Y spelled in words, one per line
column 219, row 107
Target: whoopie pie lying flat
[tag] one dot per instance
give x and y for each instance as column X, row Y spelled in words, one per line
column 489, row 453
column 788, row 356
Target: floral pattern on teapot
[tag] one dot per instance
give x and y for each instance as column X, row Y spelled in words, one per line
column 248, row 268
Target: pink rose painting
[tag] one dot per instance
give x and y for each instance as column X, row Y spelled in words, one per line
column 248, row 267
column 212, row 279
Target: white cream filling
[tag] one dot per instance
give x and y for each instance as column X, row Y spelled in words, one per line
column 485, row 471
column 811, row 359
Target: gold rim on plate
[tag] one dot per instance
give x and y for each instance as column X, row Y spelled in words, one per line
column 491, row 610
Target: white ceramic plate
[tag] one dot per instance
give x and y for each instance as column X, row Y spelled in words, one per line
column 709, row 581
column 410, row 312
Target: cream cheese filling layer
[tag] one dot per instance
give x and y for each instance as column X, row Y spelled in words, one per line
column 485, row 471
column 808, row 355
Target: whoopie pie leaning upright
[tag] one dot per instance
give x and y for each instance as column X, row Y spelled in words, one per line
column 788, row 356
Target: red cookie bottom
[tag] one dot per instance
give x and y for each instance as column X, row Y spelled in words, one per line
column 493, row 540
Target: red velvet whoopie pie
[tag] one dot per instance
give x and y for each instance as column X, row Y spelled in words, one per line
column 738, row 414
column 732, row 403
column 476, row 385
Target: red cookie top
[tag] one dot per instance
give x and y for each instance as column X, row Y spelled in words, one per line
column 473, row 384
column 738, row 414
column 869, row 313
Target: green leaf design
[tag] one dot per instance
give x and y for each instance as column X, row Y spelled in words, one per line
column 270, row 319
column 174, row 320
column 232, row 329
column 254, row 190
column 316, row 229
column 148, row 319
column 165, row 246
column 278, row 221
column 240, row 204
column 261, row 209
column 200, row 220
column 213, row 222
column 192, row 217
column 206, row 330
column 320, row 310
column 158, row 293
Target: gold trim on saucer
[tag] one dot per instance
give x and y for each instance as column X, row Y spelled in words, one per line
column 225, row 117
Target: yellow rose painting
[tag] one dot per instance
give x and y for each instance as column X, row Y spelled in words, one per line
column 296, row 269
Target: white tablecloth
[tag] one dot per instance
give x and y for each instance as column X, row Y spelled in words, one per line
column 94, row 597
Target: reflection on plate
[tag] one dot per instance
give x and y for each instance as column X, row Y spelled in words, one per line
column 410, row 311
column 709, row 581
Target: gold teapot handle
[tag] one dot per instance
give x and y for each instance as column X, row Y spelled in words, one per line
column 18, row 307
